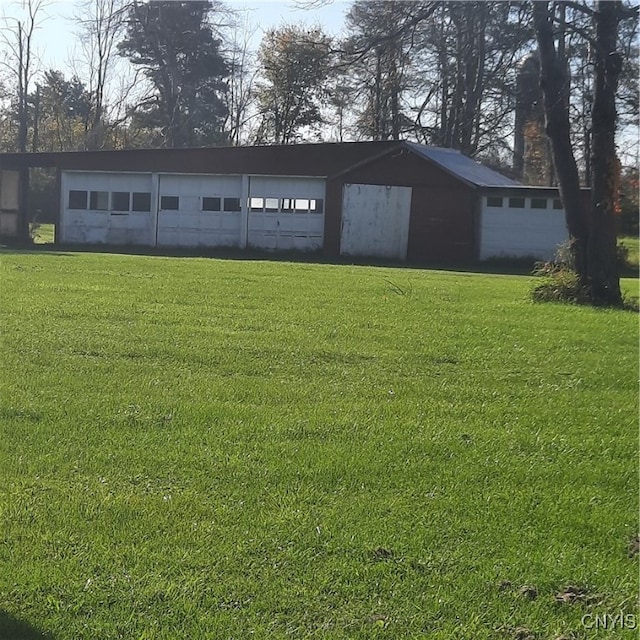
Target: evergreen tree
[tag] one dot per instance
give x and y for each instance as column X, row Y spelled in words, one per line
column 175, row 44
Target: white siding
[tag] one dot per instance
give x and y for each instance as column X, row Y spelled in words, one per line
column 375, row 221
column 301, row 227
column 521, row 232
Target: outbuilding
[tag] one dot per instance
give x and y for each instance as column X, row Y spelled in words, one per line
column 384, row 200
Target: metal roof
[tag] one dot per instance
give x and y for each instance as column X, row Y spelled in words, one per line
column 463, row 167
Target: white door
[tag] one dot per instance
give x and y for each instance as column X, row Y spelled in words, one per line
column 286, row 213
column 199, row 210
column 107, row 208
column 532, row 229
column 375, row 221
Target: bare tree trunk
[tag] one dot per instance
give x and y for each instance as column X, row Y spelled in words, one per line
column 36, row 120
column 555, row 87
column 603, row 275
column 18, row 38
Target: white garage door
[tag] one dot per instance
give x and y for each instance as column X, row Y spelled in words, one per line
column 533, row 228
column 286, row 213
column 199, row 210
column 107, row 208
column 375, row 221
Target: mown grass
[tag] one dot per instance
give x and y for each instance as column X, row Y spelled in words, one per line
column 196, row 448
column 43, row 233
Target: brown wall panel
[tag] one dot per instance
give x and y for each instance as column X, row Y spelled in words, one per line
column 443, row 226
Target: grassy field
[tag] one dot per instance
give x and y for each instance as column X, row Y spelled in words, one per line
column 43, row 234
column 196, row 448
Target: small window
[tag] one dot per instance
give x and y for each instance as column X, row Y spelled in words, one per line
column 141, row 202
column 211, row 204
column 99, row 200
column 169, row 203
column 286, row 204
column 256, row 204
column 77, row 199
column 516, row 203
column 232, row 204
column 271, row 204
column 557, row 203
column 538, row 203
column 302, row 204
column 494, row 201
column 316, row 206
column 120, row 201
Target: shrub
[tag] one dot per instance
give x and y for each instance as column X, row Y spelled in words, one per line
column 558, row 284
column 559, row 280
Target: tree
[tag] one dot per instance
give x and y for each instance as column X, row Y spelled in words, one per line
column 18, row 38
column 440, row 72
column 592, row 234
column 379, row 59
column 174, row 43
column 61, row 109
column 100, row 25
column 602, row 265
column 295, row 64
column 239, row 99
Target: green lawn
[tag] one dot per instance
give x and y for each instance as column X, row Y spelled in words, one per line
column 195, row 448
column 43, row 234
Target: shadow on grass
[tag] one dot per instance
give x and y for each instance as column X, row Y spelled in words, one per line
column 13, row 629
column 496, row 266
column 503, row 267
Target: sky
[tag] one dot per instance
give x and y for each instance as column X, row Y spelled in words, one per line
column 54, row 40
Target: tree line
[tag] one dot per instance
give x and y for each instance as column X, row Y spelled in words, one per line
column 181, row 74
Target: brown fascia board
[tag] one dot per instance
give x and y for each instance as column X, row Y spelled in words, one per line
column 395, row 146
column 311, row 159
column 16, row 161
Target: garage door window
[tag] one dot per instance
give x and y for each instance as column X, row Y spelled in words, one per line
column 141, row 202
column 120, row 201
column 302, row 205
column 494, row 202
column 77, row 199
column 516, row 203
column 232, row 204
column 211, row 204
column 99, row 200
column 170, row 203
column 538, row 203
